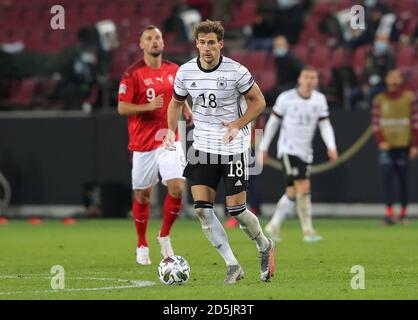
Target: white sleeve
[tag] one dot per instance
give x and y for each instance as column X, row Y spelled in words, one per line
column 269, row 131
column 327, row 134
column 180, row 90
column 324, row 111
column 245, row 80
column 279, row 107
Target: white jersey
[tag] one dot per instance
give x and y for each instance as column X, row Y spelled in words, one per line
column 217, row 96
column 300, row 117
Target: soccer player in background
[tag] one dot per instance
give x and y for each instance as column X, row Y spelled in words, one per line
column 298, row 112
column 395, row 124
column 144, row 93
column 225, row 100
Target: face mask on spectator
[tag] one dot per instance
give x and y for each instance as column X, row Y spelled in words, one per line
column 380, row 47
column 370, row 3
column 280, row 52
column 283, row 3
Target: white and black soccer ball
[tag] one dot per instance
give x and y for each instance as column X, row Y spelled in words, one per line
column 174, row 270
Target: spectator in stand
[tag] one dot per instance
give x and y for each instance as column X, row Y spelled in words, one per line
column 174, row 24
column 288, row 68
column 377, row 64
column 182, row 21
column 203, row 6
column 285, row 19
column 289, row 18
column 380, row 20
column 79, row 74
column 395, row 124
column 415, row 37
column 221, row 10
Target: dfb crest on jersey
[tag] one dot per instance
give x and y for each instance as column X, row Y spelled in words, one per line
column 221, row 83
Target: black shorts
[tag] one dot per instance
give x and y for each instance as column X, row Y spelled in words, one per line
column 207, row 169
column 295, row 169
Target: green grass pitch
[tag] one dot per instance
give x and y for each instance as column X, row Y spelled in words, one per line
column 99, row 262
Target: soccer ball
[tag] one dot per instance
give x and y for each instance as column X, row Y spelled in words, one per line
column 174, row 270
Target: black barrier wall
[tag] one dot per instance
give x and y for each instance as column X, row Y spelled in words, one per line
column 49, row 160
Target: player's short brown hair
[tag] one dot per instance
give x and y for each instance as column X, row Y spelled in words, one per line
column 308, row 68
column 148, row 27
column 209, row 26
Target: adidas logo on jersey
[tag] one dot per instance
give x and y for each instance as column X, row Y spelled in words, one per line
column 238, row 183
column 193, row 85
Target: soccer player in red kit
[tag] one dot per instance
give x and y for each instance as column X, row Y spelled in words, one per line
column 144, row 94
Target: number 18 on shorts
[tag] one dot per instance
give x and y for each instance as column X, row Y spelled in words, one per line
column 208, row 169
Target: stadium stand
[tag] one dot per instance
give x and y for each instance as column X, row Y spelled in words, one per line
column 28, row 23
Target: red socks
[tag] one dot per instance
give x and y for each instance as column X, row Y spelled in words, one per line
column 140, row 212
column 171, row 211
column 402, row 213
column 141, row 217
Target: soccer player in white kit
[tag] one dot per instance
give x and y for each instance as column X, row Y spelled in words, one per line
column 298, row 111
column 225, row 100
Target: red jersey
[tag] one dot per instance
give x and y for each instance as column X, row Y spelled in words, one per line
column 139, row 85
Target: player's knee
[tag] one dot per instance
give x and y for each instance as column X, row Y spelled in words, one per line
column 203, row 209
column 291, row 193
column 142, row 196
column 303, row 186
column 176, row 191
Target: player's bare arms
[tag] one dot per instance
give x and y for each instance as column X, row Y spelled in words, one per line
column 255, row 106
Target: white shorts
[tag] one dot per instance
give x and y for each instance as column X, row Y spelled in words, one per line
column 145, row 166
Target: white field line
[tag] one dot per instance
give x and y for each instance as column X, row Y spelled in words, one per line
column 129, row 285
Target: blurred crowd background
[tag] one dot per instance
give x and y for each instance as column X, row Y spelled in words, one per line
column 70, row 77
column 79, row 67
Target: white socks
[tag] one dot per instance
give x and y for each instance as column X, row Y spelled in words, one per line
column 304, row 210
column 284, row 207
column 215, row 233
column 250, row 224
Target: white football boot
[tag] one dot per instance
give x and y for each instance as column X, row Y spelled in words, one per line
column 142, row 256
column 310, row 238
column 234, row 273
column 166, row 248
